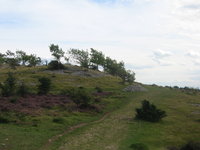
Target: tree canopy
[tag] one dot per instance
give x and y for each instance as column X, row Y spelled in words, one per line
column 57, row 52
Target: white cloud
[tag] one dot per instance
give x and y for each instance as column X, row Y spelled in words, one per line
column 193, row 54
column 129, row 30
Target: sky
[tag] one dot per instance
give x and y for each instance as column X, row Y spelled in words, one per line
column 158, row 39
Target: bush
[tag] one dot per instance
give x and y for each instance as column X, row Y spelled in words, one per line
column 8, row 87
column 44, row 86
column 13, row 99
column 55, row 65
column 80, row 97
column 58, row 120
column 98, row 89
column 191, row 146
column 139, row 146
column 149, row 112
column 22, row 90
column 4, row 120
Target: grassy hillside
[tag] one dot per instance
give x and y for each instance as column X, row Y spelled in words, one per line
column 33, row 129
column 117, row 130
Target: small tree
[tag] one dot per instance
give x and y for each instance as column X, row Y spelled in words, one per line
column 2, row 58
column 81, row 57
column 11, row 59
column 44, row 86
column 33, row 60
column 22, row 57
column 57, row 52
column 130, row 76
column 97, row 58
column 149, row 112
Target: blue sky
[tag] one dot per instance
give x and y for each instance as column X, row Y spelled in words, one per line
column 158, row 39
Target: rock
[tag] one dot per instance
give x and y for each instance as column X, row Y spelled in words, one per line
column 135, row 88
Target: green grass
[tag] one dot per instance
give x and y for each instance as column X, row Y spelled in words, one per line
column 26, row 132
column 118, row 131
column 179, row 127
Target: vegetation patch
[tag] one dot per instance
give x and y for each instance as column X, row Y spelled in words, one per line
column 31, row 104
column 139, row 146
column 55, row 65
column 191, row 146
column 149, row 112
column 58, row 120
column 44, row 86
column 4, row 119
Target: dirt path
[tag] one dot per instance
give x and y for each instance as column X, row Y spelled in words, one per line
column 105, row 134
column 54, row 138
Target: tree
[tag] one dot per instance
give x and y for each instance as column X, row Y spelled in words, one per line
column 81, row 57
column 22, row 57
column 97, row 58
column 127, row 76
column 11, row 59
column 2, row 58
column 130, row 76
column 9, row 53
column 57, row 52
column 33, row 60
column 110, row 65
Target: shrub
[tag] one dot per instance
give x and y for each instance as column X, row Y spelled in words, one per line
column 98, row 89
column 44, row 86
column 8, row 87
column 13, row 99
column 55, row 65
column 191, row 146
column 149, row 112
column 58, row 120
column 22, row 90
column 139, row 146
column 4, row 120
column 80, row 97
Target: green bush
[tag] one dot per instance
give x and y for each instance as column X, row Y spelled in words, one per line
column 58, row 120
column 55, row 65
column 22, row 90
column 13, row 99
column 44, row 86
column 8, row 86
column 149, row 112
column 98, row 89
column 139, row 146
column 81, row 97
column 4, row 120
column 191, row 146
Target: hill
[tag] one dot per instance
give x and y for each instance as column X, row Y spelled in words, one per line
column 54, row 121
